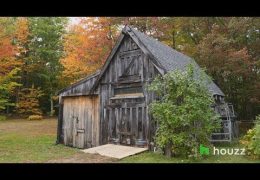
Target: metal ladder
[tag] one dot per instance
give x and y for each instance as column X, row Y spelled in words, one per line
column 226, row 135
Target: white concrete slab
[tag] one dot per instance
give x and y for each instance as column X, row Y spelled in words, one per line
column 115, row 151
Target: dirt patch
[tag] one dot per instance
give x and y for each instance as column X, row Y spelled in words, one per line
column 84, row 158
column 26, row 127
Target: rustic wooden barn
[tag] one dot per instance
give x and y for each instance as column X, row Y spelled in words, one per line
column 111, row 106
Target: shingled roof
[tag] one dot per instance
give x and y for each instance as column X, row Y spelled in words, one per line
column 169, row 58
column 166, row 57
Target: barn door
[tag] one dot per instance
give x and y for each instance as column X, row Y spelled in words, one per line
column 127, row 121
column 81, row 121
column 126, row 110
column 75, row 121
column 125, row 127
column 78, row 131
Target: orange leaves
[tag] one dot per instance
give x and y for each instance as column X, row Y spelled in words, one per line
column 8, row 50
column 12, row 33
column 29, row 101
column 86, row 47
column 21, row 33
column 22, row 30
column 227, row 53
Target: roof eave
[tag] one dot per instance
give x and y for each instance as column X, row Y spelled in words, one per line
column 109, row 58
column 79, row 82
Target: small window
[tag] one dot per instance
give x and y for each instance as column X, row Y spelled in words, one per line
column 128, row 90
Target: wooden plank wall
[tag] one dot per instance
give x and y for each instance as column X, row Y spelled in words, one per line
column 137, row 115
column 81, row 88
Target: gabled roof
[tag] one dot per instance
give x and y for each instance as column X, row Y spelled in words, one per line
column 163, row 56
column 169, row 58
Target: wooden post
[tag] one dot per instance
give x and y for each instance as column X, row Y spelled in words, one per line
column 60, row 119
column 168, row 150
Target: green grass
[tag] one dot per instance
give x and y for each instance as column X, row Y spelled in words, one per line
column 23, row 141
column 15, row 149
column 27, row 141
column 150, row 157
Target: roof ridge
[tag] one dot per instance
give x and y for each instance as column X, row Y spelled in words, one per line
column 159, row 42
column 170, row 58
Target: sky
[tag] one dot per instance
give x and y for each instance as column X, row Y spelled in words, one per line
column 74, row 20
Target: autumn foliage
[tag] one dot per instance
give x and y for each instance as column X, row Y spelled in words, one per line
column 28, row 103
column 50, row 54
column 87, row 45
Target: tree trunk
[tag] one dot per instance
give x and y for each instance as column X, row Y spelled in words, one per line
column 51, row 100
column 7, row 109
column 168, row 150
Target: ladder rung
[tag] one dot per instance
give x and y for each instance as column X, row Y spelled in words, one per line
column 220, row 140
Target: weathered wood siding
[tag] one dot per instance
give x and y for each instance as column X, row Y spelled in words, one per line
column 81, row 121
column 129, row 67
column 81, row 88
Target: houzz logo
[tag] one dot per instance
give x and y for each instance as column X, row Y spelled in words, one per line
column 222, row 151
column 204, row 150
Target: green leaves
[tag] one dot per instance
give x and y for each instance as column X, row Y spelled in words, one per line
column 45, row 49
column 183, row 113
column 251, row 140
column 7, row 86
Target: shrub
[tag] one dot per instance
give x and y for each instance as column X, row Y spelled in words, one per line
column 183, row 112
column 28, row 103
column 2, row 118
column 35, row 117
column 251, row 140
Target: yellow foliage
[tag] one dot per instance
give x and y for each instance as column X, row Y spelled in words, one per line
column 86, row 47
column 28, row 103
column 35, row 117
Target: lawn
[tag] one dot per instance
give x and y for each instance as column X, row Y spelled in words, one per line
column 24, row 141
column 149, row 157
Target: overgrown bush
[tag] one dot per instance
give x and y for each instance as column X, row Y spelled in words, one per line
column 35, row 117
column 183, row 112
column 251, row 140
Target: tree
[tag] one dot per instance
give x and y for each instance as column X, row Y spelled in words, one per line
column 87, row 45
column 51, row 55
column 214, row 41
column 183, row 113
column 7, row 87
column 45, row 48
column 229, row 54
column 29, row 101
column 9, row 64
column 8, row 50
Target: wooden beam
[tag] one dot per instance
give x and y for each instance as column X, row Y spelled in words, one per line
column 110, row 57
column 145, row 49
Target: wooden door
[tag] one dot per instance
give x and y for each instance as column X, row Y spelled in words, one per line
column 81, row 121
column 74, row 124
column 78, row 130
column 127, row 121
